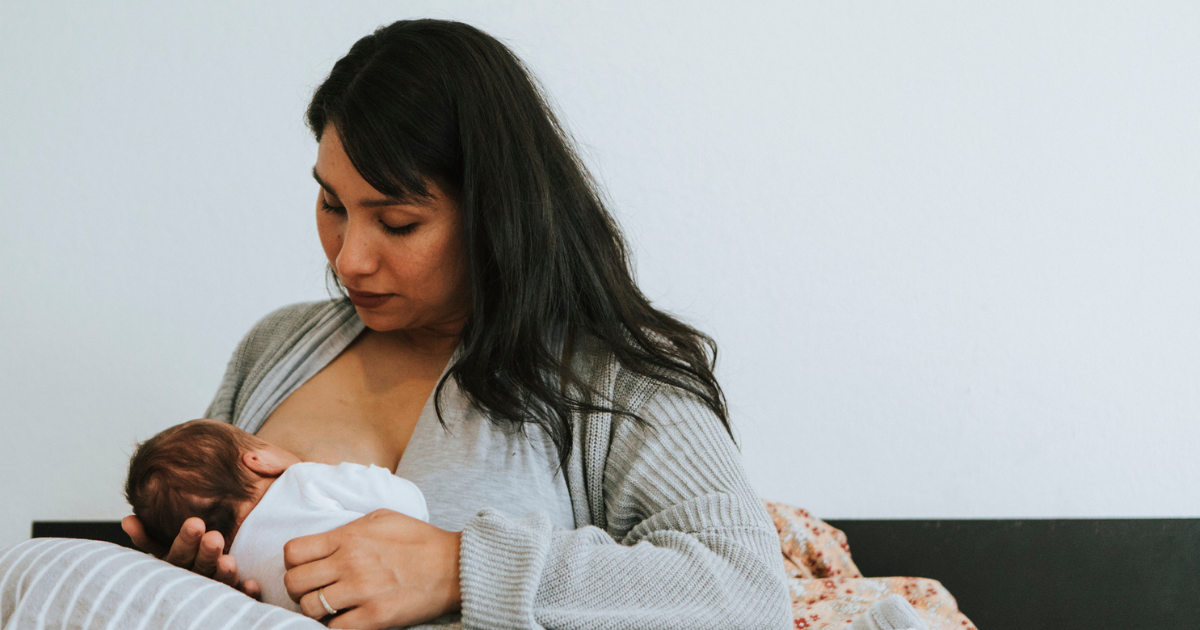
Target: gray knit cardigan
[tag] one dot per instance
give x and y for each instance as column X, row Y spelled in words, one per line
column 669, row 532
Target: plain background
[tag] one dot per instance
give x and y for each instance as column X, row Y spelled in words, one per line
column 950, row 250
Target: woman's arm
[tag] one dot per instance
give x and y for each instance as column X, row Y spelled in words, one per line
column 688, row 544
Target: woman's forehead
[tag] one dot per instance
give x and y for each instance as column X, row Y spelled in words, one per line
column 337, row 175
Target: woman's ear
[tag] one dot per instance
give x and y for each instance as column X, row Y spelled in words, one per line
column 263, row 462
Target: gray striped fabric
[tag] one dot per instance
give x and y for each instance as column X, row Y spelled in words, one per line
column 59, row 583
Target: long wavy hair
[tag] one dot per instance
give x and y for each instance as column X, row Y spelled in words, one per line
column 444, row 101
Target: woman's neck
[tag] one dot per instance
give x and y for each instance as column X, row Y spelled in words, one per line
column 431, row 342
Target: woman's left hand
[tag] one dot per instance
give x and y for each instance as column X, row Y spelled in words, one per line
column 384, row 569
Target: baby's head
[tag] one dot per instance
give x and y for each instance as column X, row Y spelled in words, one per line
column 203, row 468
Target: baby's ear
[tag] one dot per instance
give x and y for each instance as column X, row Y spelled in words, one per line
column 263, row 462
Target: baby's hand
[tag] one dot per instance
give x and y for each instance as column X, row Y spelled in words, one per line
column 195, row 550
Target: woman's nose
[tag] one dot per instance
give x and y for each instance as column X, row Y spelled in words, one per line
column 357, row 256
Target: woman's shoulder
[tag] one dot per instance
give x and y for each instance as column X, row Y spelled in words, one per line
column 283, row 326
column 265, row 343
column 622, row 387
column 284, row 322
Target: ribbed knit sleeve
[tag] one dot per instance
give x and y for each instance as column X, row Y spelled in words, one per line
column 688, row 545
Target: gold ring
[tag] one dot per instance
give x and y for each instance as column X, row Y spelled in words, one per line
column 321, row 596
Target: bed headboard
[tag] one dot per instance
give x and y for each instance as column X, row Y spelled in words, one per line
column 1060, row 574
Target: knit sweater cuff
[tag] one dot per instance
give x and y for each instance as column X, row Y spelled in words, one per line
column 500, row 568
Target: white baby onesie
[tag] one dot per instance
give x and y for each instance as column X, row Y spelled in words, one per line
column 308, row 499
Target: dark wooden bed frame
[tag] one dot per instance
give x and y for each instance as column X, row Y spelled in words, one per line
column 1060, row 574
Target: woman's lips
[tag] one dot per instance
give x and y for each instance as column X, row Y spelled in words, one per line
column 362, row 299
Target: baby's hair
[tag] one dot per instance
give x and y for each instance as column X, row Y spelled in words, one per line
column 191, row 469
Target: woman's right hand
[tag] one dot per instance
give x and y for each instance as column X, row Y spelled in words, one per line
column 195, row 550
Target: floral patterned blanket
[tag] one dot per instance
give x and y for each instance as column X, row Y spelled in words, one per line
column 828, row 591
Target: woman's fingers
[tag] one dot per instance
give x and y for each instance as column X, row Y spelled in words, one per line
column 226, row 571
column 305, row 549
column 133, row 528
column 339, row 597
column 184, row 548
column 306, row 578
column 361, row 617
column 252, row 589
column 208, row 554
column 383, row 570
column 193, row 549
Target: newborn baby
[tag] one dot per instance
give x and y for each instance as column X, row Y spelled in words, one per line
column 258, row 495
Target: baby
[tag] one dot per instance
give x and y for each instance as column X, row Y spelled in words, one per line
column 258, row 495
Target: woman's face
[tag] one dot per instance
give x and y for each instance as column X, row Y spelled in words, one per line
column 403, row 262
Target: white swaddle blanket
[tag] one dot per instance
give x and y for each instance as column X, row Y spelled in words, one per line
column 308, row 499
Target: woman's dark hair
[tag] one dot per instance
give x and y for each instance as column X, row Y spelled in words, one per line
column 444, row 101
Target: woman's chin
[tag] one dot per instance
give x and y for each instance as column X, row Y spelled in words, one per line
column 391, row 318
column 380, row 321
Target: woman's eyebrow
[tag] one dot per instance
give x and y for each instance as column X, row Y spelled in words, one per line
column 369, row 203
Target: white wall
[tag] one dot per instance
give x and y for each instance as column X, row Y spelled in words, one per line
column 950, row 250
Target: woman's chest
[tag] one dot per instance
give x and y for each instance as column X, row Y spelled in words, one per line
column 351, row 411
column 462, row 462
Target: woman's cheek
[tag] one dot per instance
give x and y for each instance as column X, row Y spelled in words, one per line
column 329, row 230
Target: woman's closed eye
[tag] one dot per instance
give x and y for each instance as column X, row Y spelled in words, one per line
column 332, row 209
column 400, row 230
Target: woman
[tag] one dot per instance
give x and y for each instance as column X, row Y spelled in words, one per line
column 571, row 440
